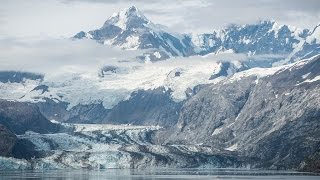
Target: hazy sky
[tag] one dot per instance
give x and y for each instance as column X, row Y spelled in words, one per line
column 64, row 18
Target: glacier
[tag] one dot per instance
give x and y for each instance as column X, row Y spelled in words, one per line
column 113, row 146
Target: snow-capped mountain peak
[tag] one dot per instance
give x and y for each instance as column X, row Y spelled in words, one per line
column 127, row 18
column 130, row 29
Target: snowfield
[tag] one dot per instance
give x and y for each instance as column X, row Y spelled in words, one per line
column 115, row 85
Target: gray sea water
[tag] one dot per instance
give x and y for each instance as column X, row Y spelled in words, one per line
column 159, row 174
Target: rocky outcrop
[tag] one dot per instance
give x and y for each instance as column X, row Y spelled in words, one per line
column 20, row 117
column 7, row 141
column 311, row 163
column 150, row 107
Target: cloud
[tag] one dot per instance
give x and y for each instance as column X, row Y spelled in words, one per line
column 58, row 55
column 205, row 15
column 55, row 18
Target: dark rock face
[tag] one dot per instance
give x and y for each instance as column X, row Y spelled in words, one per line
column 145, row 107
column 211, row 108
column 275, row 119
column 25, row 149
column 12, row 146
column 151, row 107
column 43, row 88
column 92, row 113
column 312, row 163
column 21, row 117
column 7, row 141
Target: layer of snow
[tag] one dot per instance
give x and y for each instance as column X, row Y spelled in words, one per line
column 121, row 18
column 258, row 72
column 315, row 36
column 132, row 43
column 104, row 127
column 306, row 75
column 222, row 50
column 275, row 28
column 317, row 78
column 232, row 148
column 217, row 131
column 14, row 91
column 157, row 54
column 86, row 87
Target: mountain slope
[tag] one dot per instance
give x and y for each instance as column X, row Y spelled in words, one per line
column 275, row 118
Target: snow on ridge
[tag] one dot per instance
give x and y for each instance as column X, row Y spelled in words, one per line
column 258, row 72
column 104, row 127
column 314, row 36
column 317, row 78
column 275, row 28
column 306, row 75
column 232, row 148
column 121, row 18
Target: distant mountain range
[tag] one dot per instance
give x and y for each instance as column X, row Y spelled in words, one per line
column 130, row 29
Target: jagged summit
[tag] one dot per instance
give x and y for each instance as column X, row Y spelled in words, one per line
column 131, row 11
column 128, row 18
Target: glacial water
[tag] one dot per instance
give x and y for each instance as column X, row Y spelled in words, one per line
column 159, row 174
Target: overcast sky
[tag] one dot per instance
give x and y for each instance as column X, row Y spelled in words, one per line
column 64, row 18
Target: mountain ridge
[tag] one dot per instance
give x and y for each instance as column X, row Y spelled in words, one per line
column 130, row 29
